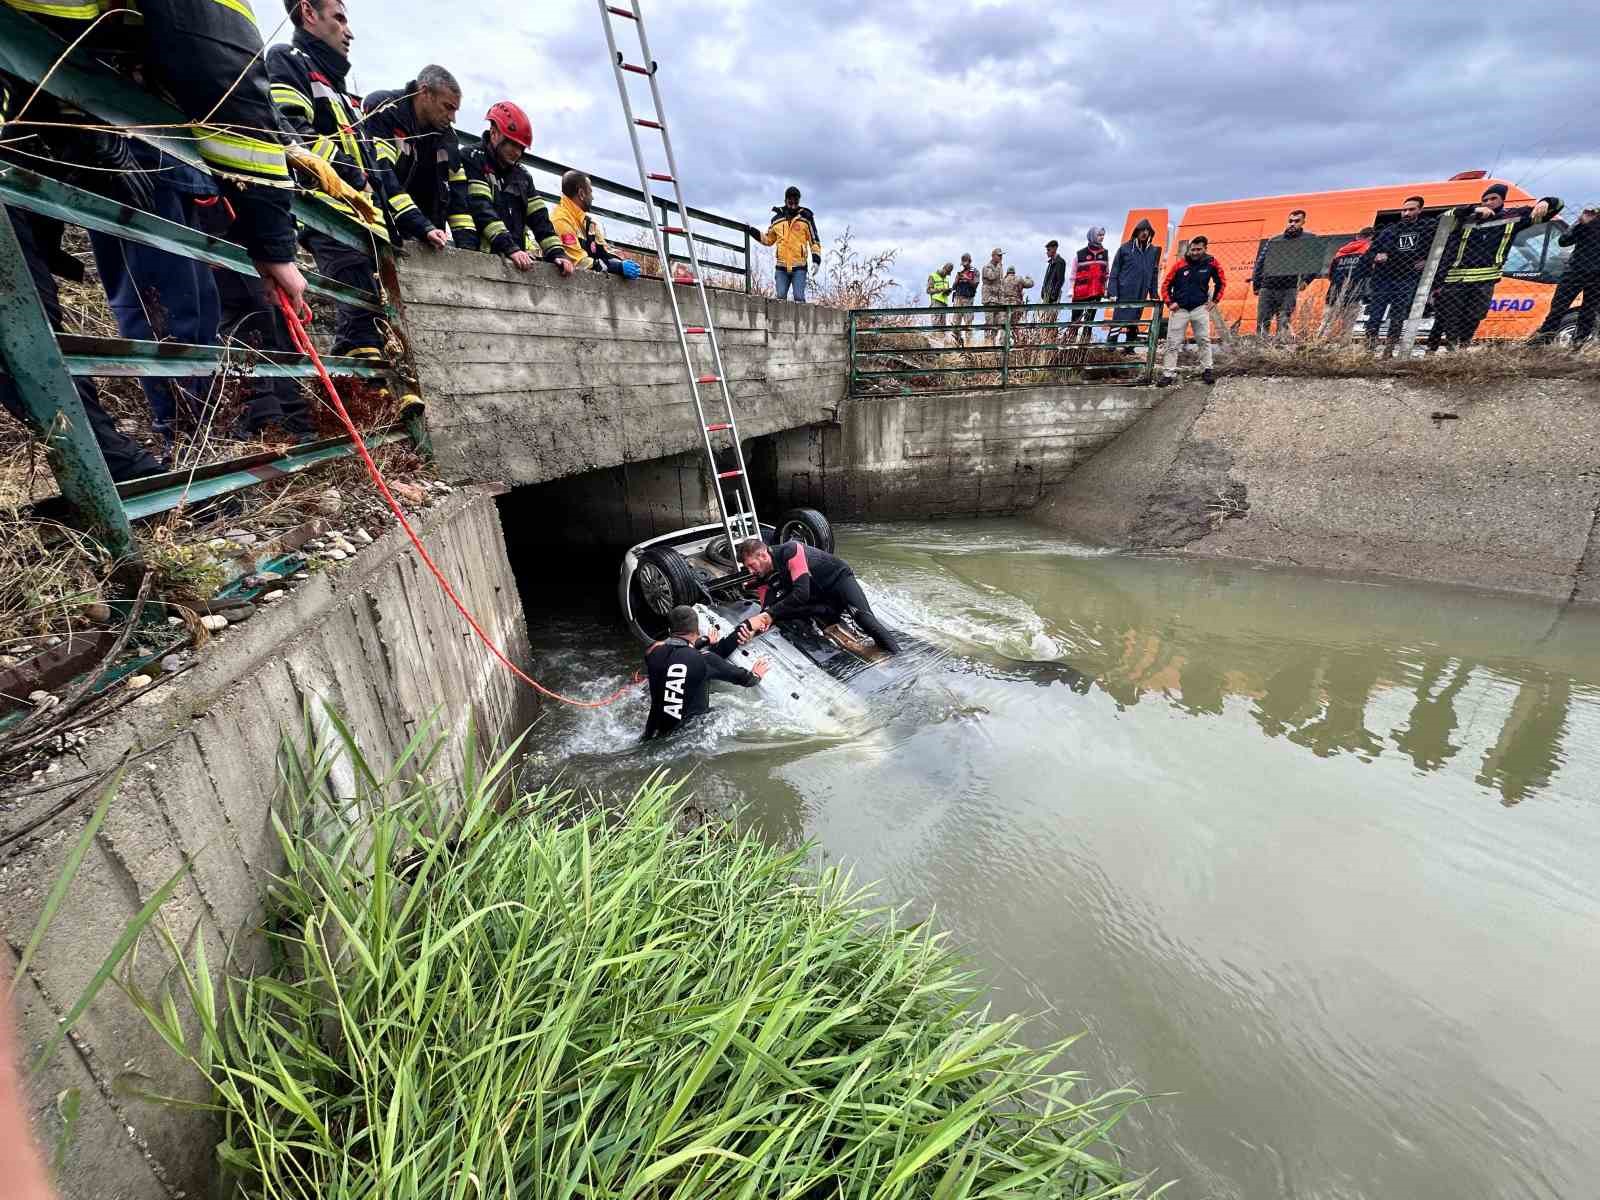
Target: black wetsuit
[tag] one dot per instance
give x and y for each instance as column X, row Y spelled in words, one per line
column 679, row 679
column 807, row 582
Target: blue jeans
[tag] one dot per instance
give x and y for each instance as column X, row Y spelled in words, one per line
column 795, row 277
column 1391, row 298
column 159, row 296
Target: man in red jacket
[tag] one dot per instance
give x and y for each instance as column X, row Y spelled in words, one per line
column 1089, row 275
column 1195, row 283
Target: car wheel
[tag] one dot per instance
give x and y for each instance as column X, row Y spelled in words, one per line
column 662, row 581
column 806, row 525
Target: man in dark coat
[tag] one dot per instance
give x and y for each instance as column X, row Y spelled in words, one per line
column 1055, row 278
column 1134, row 276
column 1395, row 261
column 1582, row 275
column 1277, row 294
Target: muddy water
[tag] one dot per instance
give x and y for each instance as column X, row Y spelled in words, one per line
column 1319, row 858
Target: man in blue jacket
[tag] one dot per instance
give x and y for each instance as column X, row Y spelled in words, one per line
column 1134, row 278
column 1195, row 283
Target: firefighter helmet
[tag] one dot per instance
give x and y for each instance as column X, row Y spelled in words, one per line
column 511, row 122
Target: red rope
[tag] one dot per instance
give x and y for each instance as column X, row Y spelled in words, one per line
column 303, row 341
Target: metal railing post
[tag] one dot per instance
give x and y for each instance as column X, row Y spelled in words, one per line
column 748, row 277
column 1153, row 340
column 1005, row 349
column 50, row 399
column 850, row 329
column 1430, row 271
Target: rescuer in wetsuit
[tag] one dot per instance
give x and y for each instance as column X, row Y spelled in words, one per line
column 797, row 580
column 681, row 669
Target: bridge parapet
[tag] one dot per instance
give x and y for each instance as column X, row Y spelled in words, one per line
column 532, row 377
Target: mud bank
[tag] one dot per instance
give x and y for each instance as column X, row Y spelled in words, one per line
column 377, row 639
column 1495, row 487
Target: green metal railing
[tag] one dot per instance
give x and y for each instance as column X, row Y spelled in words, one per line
column 1017, row 345
column 43, row 364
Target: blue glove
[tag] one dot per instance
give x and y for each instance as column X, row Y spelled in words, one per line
column 625, row 267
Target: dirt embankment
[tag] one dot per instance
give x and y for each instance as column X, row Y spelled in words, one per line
column 1485, row 483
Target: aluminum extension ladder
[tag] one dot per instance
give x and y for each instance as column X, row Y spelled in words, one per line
column 735, row 501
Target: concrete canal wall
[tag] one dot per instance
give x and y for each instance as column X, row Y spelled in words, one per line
column 378, row 640
column 1493, row 485
column 965, row 454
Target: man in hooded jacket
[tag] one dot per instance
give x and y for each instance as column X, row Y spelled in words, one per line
column 1135, row 276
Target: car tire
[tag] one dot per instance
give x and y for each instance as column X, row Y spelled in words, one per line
column 662, row 581
column 806, row 525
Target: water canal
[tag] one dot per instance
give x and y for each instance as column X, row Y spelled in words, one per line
column 1319, row 858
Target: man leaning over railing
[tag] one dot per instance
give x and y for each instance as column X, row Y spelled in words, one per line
column 332, row 143
column 205, row 56
column 415, row 137
column 582, row 238
column 513, row 220
column 1582, row 275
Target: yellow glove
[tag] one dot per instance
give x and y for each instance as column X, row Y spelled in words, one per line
column 320, row 169
column 332, row 183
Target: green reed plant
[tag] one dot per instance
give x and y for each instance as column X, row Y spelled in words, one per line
column 482, row 998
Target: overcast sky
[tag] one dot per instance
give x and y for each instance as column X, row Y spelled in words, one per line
column 938, row 128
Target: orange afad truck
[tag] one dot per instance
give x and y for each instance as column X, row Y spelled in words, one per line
column 1236, row 229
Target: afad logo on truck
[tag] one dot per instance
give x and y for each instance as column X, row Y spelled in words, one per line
column 1237, row 228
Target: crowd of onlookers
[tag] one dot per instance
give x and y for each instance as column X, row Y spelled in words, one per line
column 1374, row 279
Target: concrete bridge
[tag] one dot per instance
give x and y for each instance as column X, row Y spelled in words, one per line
column 576, row 387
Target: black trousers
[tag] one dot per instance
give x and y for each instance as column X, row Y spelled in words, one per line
column 1561, row 303
column 1458, row 310
column 846, row 596
column 251, row 318
column 353, row 327
column 126, row 458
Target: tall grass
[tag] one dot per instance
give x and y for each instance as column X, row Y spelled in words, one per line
column 479, row 999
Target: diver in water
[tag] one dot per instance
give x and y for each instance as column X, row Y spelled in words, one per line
column 681, row 668
column 797, row 581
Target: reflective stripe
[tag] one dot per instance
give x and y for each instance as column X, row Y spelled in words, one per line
column 287, row 97
column 324, row 147
column 243, row 155
column 480, row 189
column 375, row 228
column 87, row 11
column 492, row 230
column 461, row 221
column 458, row 176
column 1473, row 275
column 239, row 7
column 386, row 150
column 400, row 202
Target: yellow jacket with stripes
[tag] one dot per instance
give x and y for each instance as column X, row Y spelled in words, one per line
column 795, row 235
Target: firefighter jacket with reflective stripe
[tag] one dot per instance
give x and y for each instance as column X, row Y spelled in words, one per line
column 426, row 165
column 508, row 214
column 795, row 235
column 1476, row 251
column 582, row 239
column 309, row 90
column 205, row 56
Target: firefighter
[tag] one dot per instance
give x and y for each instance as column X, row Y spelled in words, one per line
column 1473, row 259
column 414, row 135
column 793, row 230
column 204, row 56
column 581, row 236
column 681, row 669
column 327, row 124
column 512, row 219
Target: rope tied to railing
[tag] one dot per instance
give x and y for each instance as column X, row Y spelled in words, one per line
column 303, row 342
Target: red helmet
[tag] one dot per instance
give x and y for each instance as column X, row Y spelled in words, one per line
column 512, row 123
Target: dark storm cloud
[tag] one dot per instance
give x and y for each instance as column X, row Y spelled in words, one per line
column 938, row 127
